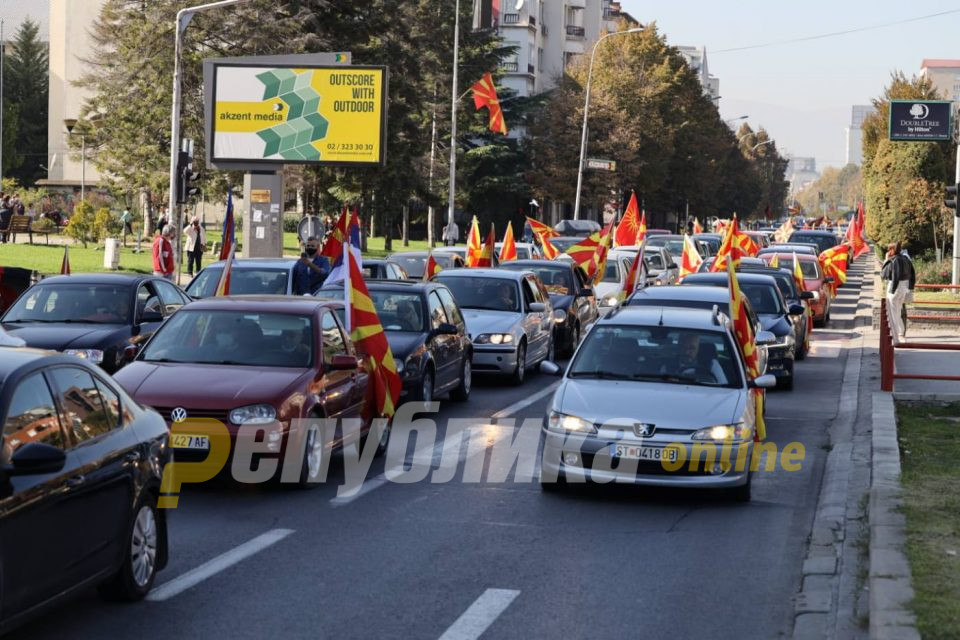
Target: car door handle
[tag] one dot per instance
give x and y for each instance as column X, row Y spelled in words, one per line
column 76, row 481
column 132, row 457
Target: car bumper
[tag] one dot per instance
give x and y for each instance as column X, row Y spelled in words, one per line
column 494, row 359
column 595, row 464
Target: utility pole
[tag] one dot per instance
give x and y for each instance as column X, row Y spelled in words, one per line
column 955, row 279
column 431, row 214
column 451, row 205
column 1, row 99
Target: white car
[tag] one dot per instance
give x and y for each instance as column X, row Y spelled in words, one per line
column 525, row 251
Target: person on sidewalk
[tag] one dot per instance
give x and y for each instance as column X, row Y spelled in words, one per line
column 163, row 254
column 312, row 269
column 195, row 245
column 126, row 218
column 901, row 279
column 451, row 234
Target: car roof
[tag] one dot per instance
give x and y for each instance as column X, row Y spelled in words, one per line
column 679, row 317
column 536, row 264
column 98, row 278
column 416, row 254
column 14, row 358
column 252, row 263
column 386, row 285
column 814, row 232
column 498, row 274
column 802, row 257
column 707, row 293
column 667, row 236
column 743, row 278
column 269, row 303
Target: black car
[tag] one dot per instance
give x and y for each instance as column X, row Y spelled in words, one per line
column 823, row 239
column 103, row 317
column 80, row 472
column 774, row 314
column 379, row 269
column 788, row 287
column 573, row 300
column 427, row 336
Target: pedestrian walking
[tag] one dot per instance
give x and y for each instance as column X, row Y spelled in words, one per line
column 163, row 253
column 125, row 219
column 6, row 212
column 195, row 245
column 901, row 277
column 451, row 234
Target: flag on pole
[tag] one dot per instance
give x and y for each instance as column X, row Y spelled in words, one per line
column 855, row 230
column 784, row 231
column 690, row 260
column 473, row 244
column 228, row 237
column 65, row 263
column 731, row 247
column 541, row 229
column 432, row 268
column 775, row 261
column 508, row 251
column 549, row 251
column 223, row 284
column 833, row 261
column 637, row 268
column 368, row 337
column 743, row 331
column 696, row 226
column 350, row 239
column 333, row 246
column 600, row 255
column 486, row 253
column 485, row 95
column 629, row 228
column 801, row 286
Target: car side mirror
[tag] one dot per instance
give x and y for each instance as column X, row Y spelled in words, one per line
column 808, row 295
column 35, row 458
column 766, row 338
column 150, row 316
column 766, row 381
column 536, row 307
column 549, row 368
column 343, row 362
column 795, row 309
column 445, row 329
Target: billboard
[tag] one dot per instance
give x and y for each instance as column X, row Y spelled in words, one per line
column 271, row 114
column 921, row 120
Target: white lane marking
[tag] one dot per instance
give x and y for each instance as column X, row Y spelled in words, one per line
column 480, row 614
column 224, row 561
column 509, row 410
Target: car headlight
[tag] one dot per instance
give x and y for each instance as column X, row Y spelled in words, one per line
column 563, row 422
column 253, row 414
column 722, row 432
column 93, row 355
column 608, row 301
column 494, row 338
column 559, row 316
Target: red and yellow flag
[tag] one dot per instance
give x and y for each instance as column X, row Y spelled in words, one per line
column 583, row 252
column 473, row 244
column 696, row 226
column 731, row 247
column 743, row 331
column 508, row 251
column 784, row 231
column 549, row 251
column 333, row 247
column 855, row 230
column 485, row 95
column 636, row 268
column 600, row 255
column 775, row 261
column 65, row 263
column 541, row 229
column 690, row 260
column 432, row 268
column 833, row 261
column 223, row 284
column 370, row 340
column 485, row 258
column 798, row 273
column 629, row 228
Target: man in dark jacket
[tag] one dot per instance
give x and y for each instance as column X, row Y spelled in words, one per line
column 901, row 279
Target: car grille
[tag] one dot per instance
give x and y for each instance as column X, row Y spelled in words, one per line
column 216, row 414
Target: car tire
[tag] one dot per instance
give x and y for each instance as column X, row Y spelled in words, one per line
column 461, row 393
column 743, row 492
column 520, row 372
column 574, row 340
column 787, row 383
column 801, row 351
column 423, row 392
column 312, row 464
column 135, row 577
column 551, row 350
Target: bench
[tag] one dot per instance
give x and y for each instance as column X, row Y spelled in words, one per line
column 22, row 224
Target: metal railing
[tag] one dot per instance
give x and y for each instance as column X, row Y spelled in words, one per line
column 888, row 368
column 511, row 18
column 575, row 31
column 510, row 67
column 935, row 303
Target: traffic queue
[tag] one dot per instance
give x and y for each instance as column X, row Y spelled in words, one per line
column 667, row 360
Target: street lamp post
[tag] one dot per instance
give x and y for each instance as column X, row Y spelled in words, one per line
column 760, row 144
column 586, row 109
column 451, row 199
column 732, row 120
column 70, row 124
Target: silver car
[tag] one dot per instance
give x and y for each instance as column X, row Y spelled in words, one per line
column 508, row 316
column 654, row 396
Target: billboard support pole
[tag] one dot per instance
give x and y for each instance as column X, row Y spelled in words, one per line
column 183, row 19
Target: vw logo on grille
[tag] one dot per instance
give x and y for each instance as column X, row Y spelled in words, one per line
column 643, row 429
column 178, row 415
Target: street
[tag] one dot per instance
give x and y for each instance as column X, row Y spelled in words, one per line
column 423, row 560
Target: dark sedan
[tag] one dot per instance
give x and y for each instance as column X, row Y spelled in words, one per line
column 80, row 472
column 788, row 287
column 427, row 336
column 103, row 317
column 573, row 300
column 774, row 314
column 379, row 269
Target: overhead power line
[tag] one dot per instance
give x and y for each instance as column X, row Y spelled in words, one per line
column 834, row 34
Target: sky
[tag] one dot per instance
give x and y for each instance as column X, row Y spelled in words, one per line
column 802, row 93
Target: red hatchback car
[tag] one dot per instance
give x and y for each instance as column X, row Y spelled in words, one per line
column 253, row 360
column 813, row 280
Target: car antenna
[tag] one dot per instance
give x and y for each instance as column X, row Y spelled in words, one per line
column 661, row 317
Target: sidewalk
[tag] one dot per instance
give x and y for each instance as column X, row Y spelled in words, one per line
column 929, row 362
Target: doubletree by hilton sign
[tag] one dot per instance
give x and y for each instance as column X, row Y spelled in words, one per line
column 921, row 120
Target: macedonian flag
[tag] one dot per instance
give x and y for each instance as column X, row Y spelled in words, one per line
column 508, row 250
column 630, row 231
column 541, row 229
column 485, row 95
column 743, row 331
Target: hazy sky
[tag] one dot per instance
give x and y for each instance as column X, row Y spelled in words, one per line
column 802, row 92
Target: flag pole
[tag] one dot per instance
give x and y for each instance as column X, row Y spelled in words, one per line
column 453, row 119
column 346, row 288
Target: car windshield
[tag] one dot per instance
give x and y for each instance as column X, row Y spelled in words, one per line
column 93, row 303
column 494, row 294
column 413, row 264
column 612, row 272
column 398, row 311
column 658, row 354
column 784, row 282
column 823, row 242
column 673, row 245
column 233, row 338
column 654, row 261
column 556, row 281
column 242, row 281
column 762, row 297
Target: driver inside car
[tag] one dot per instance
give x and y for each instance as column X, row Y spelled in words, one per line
column 696, row 360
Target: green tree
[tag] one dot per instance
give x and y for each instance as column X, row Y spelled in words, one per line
column 26, row 76
column 761, row 151
column 11, row 123
column 81, row 224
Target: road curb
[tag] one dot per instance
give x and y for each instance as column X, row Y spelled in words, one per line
column 890, row 584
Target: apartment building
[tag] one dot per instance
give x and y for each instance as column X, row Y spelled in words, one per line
column 854, row 132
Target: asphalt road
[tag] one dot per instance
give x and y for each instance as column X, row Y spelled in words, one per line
column 456, row 559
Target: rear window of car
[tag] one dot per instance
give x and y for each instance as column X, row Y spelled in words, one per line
column 556, row 281
column 413, row 265
column 242, row 281
column 493, row 294
column 823, row 242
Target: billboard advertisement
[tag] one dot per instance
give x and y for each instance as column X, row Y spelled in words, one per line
column 266, row 114
column 921, row 120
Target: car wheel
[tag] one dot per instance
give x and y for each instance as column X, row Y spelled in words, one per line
column 574, row 339
column 424, row 392
column 136, row 575
column 384, row 438
column 462, row 391
column 521, row 371
column 801, row 350
column 551, row 350
column 742, row 493
column 312, row 467
column 787, row 383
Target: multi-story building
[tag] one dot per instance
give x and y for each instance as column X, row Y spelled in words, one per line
column 697, row 59
column 854, row 132
column 801, row 171
column 945, row 76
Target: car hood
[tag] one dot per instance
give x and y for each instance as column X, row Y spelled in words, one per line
column 207, row 386
column 775, row 324
column 673, row 406
column 483, row 321
column 58, row 337
column 402, row 343
column 604, row 289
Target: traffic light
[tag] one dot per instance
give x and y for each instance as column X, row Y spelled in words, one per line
column 952, row 199
column 186, row 178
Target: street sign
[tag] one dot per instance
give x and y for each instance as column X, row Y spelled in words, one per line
column 920, row 120
column 601, row 165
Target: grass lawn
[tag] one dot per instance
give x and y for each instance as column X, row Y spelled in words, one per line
column 46, row 259
column 929, row 450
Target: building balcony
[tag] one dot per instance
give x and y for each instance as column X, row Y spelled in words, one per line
column 510, row 67
column 543, row 29
column 511, row 18
column 611, row 14
column 577, row 4
column 517, row 20
column 575, row 32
